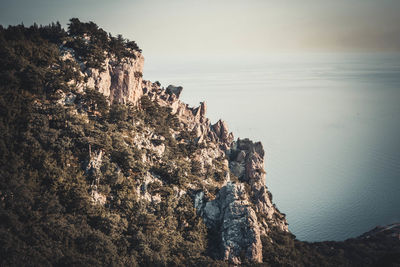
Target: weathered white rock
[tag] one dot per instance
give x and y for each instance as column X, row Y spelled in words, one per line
column 141, row 188
column 98, row 198
column 221, row 134
column 200, row 112
column 248, row 166
column 231, row 212
column 121, row 81
column 94, row 162
column 65, row 99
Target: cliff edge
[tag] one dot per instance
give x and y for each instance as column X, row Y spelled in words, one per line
column 100, row 167
column 242, row 211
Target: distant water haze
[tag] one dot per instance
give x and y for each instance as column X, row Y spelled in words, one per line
column 330, row 125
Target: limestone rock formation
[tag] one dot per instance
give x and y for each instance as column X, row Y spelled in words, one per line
column 220, row 132
column 242, row 211
column 247, row 163
column 194, row 119
column 231, row 212
column 121, row 81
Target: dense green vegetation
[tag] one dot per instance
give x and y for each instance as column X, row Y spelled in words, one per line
column 47, row 216
column 47, row 213
column 92, row 44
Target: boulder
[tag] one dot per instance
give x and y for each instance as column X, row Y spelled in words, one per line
column 174, row 90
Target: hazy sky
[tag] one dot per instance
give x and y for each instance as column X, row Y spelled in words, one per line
column 198, row 27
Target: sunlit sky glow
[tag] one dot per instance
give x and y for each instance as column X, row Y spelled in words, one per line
column 228, row 27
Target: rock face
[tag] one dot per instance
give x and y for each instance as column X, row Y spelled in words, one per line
column 247, row 163
column 194, row 119
column 231, row 212
column 220, row 132
column 93, row 170
column 239, row 217
column 121, row 81
column 242, row 211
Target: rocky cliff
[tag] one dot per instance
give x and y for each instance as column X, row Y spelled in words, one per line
column 242, row 210
column 102, row 168
column 120, row 80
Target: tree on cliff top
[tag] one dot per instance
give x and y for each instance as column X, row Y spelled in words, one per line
column 90, row 42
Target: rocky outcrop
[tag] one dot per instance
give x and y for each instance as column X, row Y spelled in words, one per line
column 239, row 217
column 220, row 133
column 176, row 90
column 194, row 118
column 241, row 211
column 232, row 214
column 121, row 81
column 94, row 162
column 92, row 169
column 142, row 188
column 388, row 231
column 200, row 113
column 65, row 99
column 247, row 163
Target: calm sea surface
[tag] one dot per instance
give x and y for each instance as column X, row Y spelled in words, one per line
column 330, row 125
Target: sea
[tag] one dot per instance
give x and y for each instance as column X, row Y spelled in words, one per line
column 329, row 123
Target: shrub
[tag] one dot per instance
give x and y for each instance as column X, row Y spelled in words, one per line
column 118, row 112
